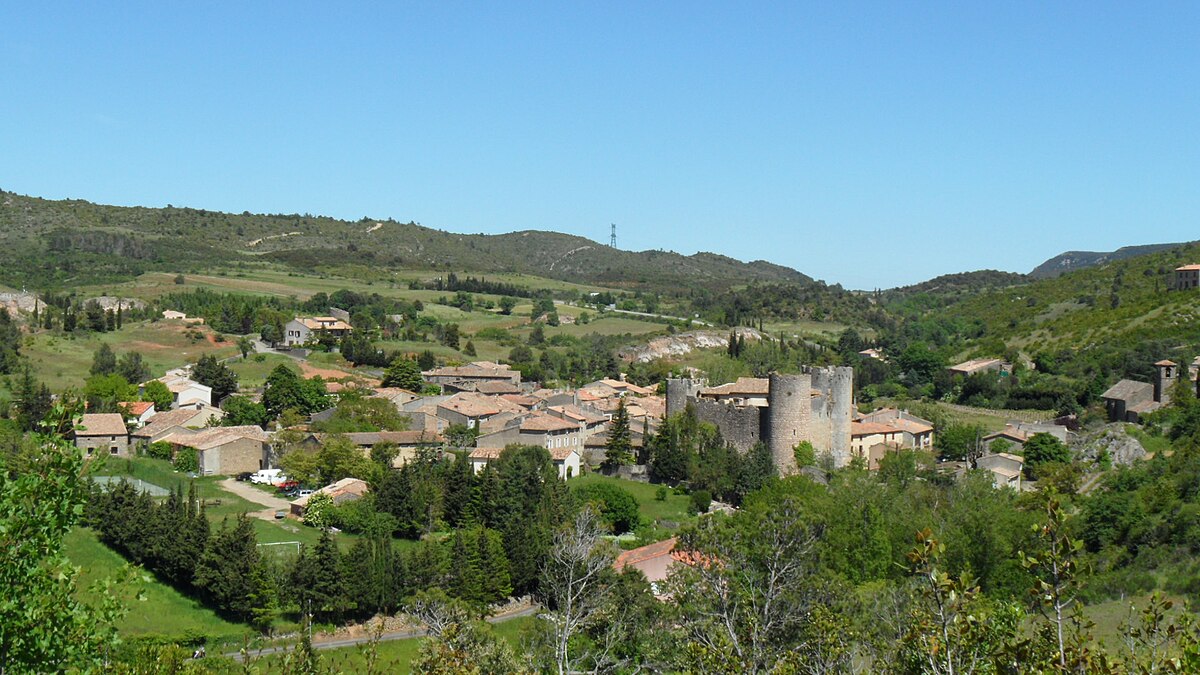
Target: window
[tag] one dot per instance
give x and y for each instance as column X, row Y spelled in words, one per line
column 112, row 450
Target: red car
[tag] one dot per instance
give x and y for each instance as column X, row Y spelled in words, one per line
column 288, row 485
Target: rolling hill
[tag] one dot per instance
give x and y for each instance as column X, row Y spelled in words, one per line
column 1075, row 260
column 46, row 243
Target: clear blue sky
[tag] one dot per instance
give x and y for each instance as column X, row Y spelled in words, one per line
column 865, row 144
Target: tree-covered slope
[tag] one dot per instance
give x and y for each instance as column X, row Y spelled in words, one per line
column 46, row 243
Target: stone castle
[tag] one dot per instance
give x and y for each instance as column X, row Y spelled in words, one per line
column 781, row 411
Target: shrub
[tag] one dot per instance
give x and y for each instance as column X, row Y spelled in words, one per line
column 187, row 460
column 160, row 450
column 618, row 508
column 701, row 501
column 661, row 493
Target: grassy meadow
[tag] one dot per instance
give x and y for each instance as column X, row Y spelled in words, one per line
column 163, row 611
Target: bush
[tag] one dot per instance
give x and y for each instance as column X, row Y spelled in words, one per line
column 187, row 460
column 160, row 450
column 701, row 500
column 618, row 508
column 661, row 493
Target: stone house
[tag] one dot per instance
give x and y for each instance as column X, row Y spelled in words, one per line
column 407, row 442
column 184, row 390
column 302, row 329
column 165, row 423
column 967, row 368
column 104, row 433
column 470, row 376
column 225, row 450
column 1005, row 469
column 1128, row 400
column 343, row 491
column 567, row 461
column 1187, row 277
column 915, row 433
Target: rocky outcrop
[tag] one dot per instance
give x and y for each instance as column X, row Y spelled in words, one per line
column 675, row 346
column 1113, row 440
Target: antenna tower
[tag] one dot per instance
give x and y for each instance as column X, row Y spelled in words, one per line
column 612, row 240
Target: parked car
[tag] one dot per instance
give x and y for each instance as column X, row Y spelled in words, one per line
column 244, row 476
column 305, row 493
column 288, row 486
column 280, row 514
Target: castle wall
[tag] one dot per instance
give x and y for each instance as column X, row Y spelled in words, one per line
column 789, row 414
column 741, row 427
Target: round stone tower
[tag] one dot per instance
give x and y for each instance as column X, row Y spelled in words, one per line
column 789, row 408
column 841, row 411
column 679, row 390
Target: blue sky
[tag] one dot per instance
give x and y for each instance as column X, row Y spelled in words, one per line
column 868, row 144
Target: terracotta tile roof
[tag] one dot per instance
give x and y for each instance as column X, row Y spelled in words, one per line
column 136, row 408
column 217, row 436
column 323, row 323
column 746, row 386
column 560, row 454
column 1165, row 362
column 523, row 401
column 486, row 453
column 974, row 365
column 471, row 407
column 579, row 415
column 101, row 424
column 911, row 426
column 1187, row 267
column 497, row 387
column 644, row 553
column 369, row 438
column 871, row 428
column 482, row 369
column 541, row 422
column 167, row 419
column 341, row 491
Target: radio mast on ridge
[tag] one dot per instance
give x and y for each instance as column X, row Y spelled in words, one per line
column 612, row 240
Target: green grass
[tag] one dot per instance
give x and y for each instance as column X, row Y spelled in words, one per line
column 164, row 611
column 253, row 373
column 674, row 508
column 64, row 361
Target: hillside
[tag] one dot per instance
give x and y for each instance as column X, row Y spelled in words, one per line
column 45, row 243
column 1074, row 260
column 1113, row 316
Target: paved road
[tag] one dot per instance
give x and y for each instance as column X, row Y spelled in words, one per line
column 252, row 494
column 386, row 637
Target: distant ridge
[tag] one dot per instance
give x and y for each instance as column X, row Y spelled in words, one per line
column 55, row 243
column 1074, row 260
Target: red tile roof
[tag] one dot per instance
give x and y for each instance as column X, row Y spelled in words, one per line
column 644, row 553
column 136, row 408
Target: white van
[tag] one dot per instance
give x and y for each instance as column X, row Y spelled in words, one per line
column 268, row 476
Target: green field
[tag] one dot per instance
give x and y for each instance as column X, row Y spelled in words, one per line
column 273, row 281
column 64, row 361
column 674, row 510
column 164, row 611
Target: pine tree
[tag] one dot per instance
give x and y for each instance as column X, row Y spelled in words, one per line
column 619, row 449
column 318, row 580
column 104, row 361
